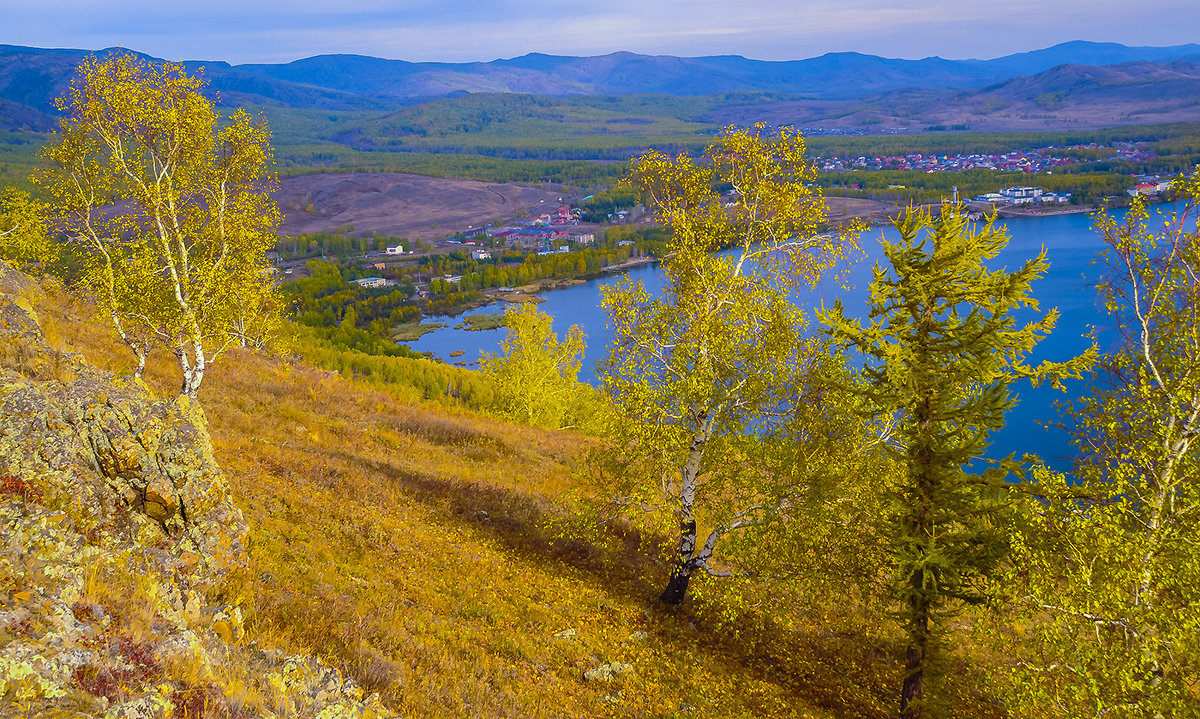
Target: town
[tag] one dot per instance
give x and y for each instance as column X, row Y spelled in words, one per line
column 1042, row 159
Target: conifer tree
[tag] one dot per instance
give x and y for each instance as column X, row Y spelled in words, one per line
column 943, row 347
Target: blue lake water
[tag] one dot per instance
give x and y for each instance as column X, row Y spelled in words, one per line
column 1071, row 247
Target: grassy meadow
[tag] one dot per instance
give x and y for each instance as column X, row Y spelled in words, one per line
column 442, row 558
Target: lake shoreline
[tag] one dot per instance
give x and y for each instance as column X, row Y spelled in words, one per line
column 533, row 291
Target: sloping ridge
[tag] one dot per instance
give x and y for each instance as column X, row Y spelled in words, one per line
column 839, row 75
column 1138, row 82
column 31, row 78
column 122, row 556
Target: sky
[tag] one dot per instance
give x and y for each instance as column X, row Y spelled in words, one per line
column 268, row 31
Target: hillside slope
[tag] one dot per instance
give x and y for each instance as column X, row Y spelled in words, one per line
column 32, row 78
column 434, row 557
column 1066, row 97
column 840, row 75
column 608, row 107
column 123, row 561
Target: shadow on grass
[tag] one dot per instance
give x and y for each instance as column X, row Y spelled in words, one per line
column 523, row 524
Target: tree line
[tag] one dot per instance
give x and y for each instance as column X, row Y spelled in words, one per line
column 1086, row 186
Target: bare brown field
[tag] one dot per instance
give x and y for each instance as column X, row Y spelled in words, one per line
column 842, row 208
column 419, row 207
column 394, row 204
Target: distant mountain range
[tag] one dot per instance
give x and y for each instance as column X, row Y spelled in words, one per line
column 836, row 75
column 1047, row 81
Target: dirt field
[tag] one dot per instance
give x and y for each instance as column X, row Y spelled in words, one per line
column 420, row 207
column 393, row 204
column 841, row 208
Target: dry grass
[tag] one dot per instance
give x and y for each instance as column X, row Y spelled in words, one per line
column 390, row 203
column 427, row 554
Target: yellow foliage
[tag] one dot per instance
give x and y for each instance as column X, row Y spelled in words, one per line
column 182, row 267
column 23, row 239
column 536, row 375
column 433, row 557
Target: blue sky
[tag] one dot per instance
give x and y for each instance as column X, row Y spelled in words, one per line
column 457, row 30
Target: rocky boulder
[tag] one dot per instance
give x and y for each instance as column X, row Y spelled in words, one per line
column 125, row 467
column 121, row 552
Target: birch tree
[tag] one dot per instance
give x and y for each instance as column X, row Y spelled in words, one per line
column 169, row 204
column 702, row 376
column 535, row 375
column 23, row 231
column 1108, row 568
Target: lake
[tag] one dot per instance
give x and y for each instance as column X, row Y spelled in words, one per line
column 1071, row 247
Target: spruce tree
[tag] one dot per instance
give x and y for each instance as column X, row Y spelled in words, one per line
column 943, row 347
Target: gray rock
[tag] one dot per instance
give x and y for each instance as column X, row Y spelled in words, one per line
column 607, row 672
column 124, row 465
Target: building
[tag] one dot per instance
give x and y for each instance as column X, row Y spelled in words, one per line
column 395, row 250
column 370, row 282
column 480, row 255
column 993, row 197
column 1023, row 196
column 1150, row 187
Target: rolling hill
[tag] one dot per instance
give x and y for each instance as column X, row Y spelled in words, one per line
column 835, row 75
column 544, row 107
column 1065, row 97
column 34, row 76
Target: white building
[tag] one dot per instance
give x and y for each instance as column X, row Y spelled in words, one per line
column 994, row 197
column 1023, row 196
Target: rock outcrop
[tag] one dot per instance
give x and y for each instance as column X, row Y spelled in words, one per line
column 122, row 553
column 124, row 466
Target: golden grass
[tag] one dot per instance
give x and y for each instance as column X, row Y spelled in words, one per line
column 427, row 553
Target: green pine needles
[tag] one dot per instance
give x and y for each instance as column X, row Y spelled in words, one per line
column 943, row 347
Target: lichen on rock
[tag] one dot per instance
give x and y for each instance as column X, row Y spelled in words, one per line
column 122, row 552
column 121, row 463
